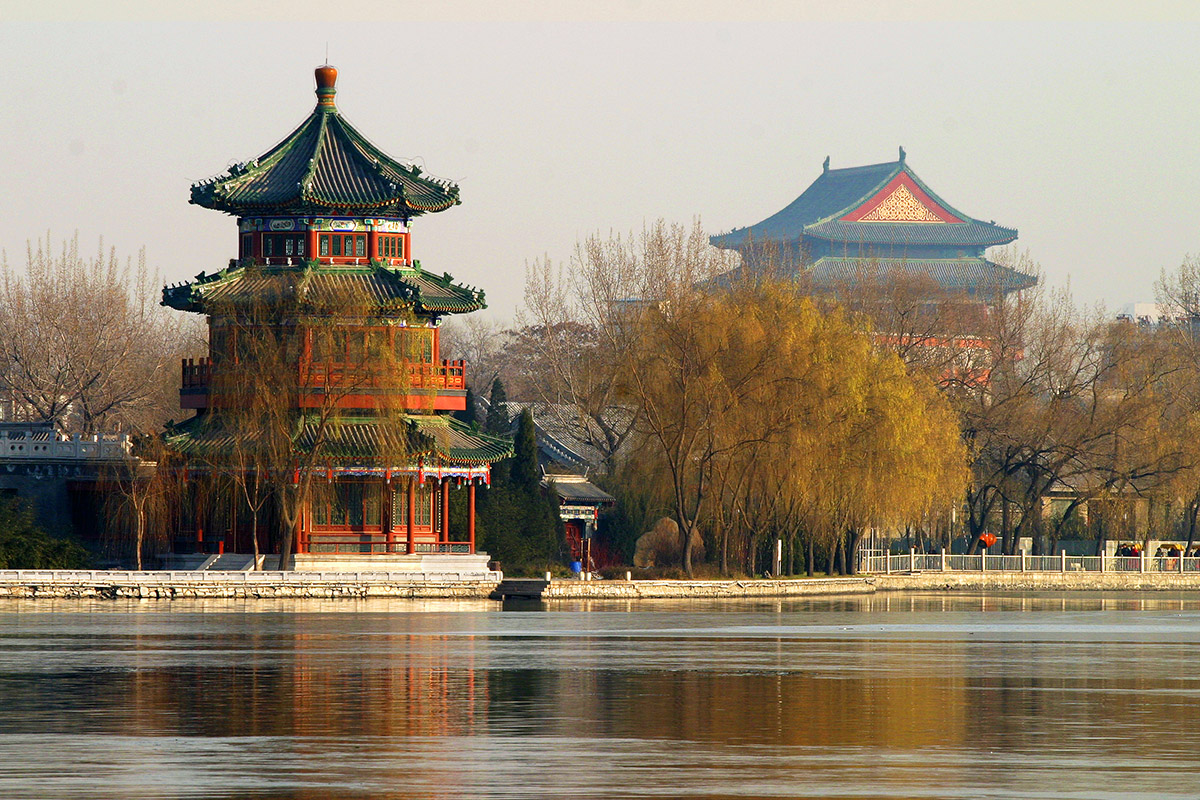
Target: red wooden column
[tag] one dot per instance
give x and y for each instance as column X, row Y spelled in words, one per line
column 445, row 511
column 412, row 513
column 386, row 516
column 471, row 515
column 310, row 242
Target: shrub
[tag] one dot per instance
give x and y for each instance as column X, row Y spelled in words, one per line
column 24, row 545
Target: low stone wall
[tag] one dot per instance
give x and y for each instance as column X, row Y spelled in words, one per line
column 683, row 589
column 182, row 585
column 1039, row 581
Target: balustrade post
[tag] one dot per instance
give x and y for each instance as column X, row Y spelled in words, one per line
column 1022, row 559
column 912, row 559
column 1142, row 564
column 887, row 561
column 943, row 554
column 1063, row 554
column 983, row 560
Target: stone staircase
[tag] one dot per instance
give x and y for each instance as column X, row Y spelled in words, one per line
column 231, row 562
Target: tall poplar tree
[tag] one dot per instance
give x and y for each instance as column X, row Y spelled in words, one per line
column 497, row 422
column 524, row 468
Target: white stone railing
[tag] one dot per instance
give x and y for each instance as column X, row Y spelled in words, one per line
column 25, row 445
column 166, row 577
column 982, row 562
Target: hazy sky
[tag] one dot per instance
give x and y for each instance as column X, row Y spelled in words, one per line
column 562, row 119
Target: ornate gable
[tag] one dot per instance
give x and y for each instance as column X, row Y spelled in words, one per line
column 902, row 200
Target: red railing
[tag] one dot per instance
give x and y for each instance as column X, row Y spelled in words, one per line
column 447, row 375
column 358, row 543
column 384, row 548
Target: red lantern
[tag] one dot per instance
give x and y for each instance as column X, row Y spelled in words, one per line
column 988, row 539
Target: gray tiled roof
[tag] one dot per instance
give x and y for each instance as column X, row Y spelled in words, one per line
column 578, row 491
column 970, row 233
column 833, row 191
column 836, row 192
column 562, row 433
column 955, row 274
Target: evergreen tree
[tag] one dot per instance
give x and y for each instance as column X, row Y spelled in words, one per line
column 518, row 525
column 523, row 472
column 25, row 545
column 498, row 423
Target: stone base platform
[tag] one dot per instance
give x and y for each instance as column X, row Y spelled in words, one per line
column 475, row 564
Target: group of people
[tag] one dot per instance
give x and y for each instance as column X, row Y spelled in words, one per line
column 1170, row 550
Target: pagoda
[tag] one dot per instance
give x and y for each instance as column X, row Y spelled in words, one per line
column 878, row 221
column 325, row 276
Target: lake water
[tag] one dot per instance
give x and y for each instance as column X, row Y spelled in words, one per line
column 885, row 696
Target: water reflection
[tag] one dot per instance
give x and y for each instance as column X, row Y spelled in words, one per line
column 864, row 696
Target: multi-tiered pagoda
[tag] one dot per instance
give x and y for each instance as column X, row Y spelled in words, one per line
column 325, row 261
column 877, row 221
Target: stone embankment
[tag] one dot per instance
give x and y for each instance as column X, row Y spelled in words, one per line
column 869, row 584
column 26, row 584
column 703, row 590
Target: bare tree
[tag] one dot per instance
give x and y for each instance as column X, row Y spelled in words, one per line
column 86, row 345
column 483, row 343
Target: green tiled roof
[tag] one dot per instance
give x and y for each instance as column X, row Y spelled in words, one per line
column 326, row 285
column 836, row 192
column 455, row 442
column 434, row 439
column 325, row 166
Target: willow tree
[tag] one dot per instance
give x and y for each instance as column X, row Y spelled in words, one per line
column 285, row 363
column 754, row 408
column 858, row 441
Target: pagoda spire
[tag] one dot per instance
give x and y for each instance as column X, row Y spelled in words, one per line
column 326, row 80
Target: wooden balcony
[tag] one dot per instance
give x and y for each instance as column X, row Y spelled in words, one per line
column 196, row 373
column 422, row 381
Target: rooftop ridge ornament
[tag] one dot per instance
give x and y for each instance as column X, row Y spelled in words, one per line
column 326, row 86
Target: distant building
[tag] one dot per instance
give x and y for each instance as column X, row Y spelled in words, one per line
column 879, row 220
column 1145, row 315
column 566, row 458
